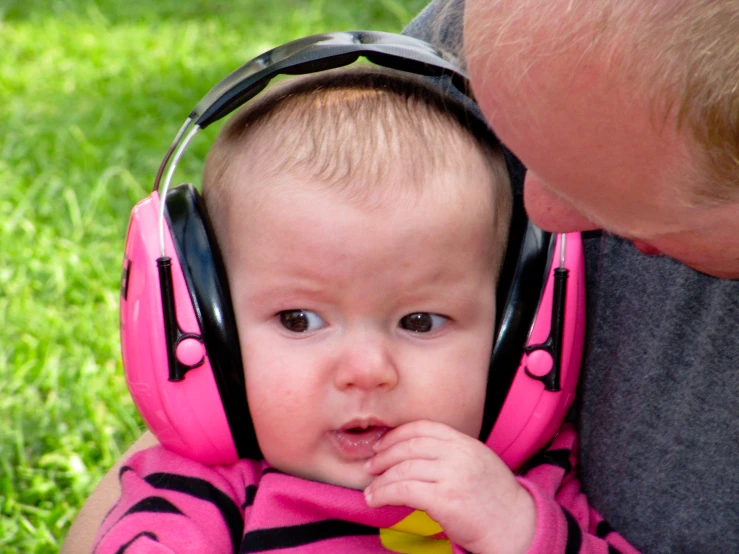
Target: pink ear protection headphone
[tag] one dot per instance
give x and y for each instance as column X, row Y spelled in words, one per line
column 180, row 345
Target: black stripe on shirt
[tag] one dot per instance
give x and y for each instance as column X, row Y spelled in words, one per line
column 558, row 458
column 199, row 488
column 603, row 529
column 146, row 534
column 249, row 494
column 261, row 540
column 153, row 504
column 121, row 471
column 574, row 534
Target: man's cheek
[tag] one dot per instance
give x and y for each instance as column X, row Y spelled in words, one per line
column 550, row 212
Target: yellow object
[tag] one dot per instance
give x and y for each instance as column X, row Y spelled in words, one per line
column 414, row 535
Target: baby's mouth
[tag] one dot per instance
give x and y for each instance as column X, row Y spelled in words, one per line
column 356, row 441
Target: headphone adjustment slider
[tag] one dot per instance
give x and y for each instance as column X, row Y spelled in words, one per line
column 553, row 344
column 188, row 346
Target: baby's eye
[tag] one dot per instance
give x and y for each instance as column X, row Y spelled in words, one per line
column 422, row 322
column 300, row 321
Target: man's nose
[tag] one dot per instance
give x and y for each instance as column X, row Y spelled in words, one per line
column 551, row 212
column 365, row 363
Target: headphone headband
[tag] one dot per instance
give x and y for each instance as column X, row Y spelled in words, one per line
column 311, row 55
column 320, row 53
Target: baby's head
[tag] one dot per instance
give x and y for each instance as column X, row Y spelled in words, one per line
column 363, row 218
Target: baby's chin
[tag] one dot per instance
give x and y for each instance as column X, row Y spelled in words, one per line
column 350, row 482
column 353, row 477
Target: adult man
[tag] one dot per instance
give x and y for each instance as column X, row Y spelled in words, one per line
column 627, row 116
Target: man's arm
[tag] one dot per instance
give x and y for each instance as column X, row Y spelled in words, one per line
column 81, row 535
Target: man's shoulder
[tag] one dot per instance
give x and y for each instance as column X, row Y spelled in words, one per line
column 659, row 396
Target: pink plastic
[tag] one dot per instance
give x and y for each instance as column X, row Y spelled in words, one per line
column 532, row 415
column 186, row 416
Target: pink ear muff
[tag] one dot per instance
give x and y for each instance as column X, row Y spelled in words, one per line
column 531, row 414
column 186, row 416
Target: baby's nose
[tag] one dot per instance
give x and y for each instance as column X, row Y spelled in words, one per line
column 366, row 364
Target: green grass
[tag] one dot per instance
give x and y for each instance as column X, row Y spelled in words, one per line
column 91, row 94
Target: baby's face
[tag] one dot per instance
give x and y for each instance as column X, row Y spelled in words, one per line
column 353, row 321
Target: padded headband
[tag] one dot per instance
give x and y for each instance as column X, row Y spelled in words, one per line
column 331, row 51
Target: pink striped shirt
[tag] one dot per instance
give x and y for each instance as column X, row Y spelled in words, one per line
column 171, row 504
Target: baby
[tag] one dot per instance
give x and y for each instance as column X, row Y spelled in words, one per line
column 363, row 219
column 362, row 256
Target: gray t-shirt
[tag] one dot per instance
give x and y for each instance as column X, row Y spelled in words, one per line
column 660, row 401
column 659, row 398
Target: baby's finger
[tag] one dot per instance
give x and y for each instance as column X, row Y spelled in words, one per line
column 414, row 494
column 427, row 471
column 415, row 448
column 420, row 428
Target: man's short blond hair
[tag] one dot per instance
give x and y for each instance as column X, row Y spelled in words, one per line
column 682, row 56
column 350, row 130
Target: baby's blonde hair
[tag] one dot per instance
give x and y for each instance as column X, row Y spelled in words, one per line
column 682, row 56
column 350, row 130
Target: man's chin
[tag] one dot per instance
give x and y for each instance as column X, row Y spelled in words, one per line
column 729, row 271
column 720, row 269
column 719, row 273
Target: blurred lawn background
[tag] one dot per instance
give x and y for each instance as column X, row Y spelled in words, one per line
column 91, row 95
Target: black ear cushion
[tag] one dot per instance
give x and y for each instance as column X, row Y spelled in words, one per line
column 520, row 286
column 207, row 284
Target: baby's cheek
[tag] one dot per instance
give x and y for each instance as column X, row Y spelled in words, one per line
column 465, row 404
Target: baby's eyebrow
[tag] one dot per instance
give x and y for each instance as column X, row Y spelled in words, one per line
column 285, row 291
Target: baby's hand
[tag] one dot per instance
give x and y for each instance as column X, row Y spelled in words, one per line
column 457, row 481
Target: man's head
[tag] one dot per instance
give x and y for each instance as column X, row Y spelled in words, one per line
column 626, row 114
column 363, row 224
